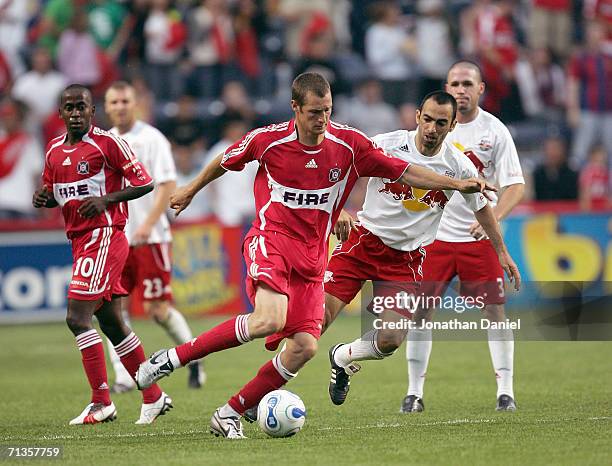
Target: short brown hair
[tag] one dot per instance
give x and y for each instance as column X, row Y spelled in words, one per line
column 306, row 82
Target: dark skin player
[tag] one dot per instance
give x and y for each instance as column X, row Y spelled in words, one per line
column 77, row 110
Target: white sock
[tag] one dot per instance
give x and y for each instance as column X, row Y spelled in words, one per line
column 227, row 411
column 174, row 359
column 176, row 326
column 362, row 349
column 418, row 350
column 501, row 347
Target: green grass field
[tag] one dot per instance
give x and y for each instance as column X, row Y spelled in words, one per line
column 563, row 390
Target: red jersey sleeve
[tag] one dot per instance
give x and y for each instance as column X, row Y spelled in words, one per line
column 242, row 152
column 371, row 160
column 47, row 178
column 120, row 157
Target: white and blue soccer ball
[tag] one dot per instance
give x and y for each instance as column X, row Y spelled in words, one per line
column 281, row 413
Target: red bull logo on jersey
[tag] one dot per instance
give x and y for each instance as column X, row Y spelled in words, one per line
column 434, row 198
column 399, row 191
column 413, row 198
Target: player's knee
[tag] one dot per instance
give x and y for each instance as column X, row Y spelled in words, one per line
column 158, row 310
column 77, row 324
column 308, row 350
column 262, row 326
column 389, row 341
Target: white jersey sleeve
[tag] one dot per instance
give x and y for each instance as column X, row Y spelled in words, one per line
column 162, row 168
column 475, row 201
column 507, row 166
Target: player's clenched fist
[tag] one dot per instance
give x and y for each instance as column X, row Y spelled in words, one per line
column 40, row 197
column 180, row 199
column 92, row 206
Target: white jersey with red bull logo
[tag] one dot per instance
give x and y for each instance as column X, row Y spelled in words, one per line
column 153, row 150
column 406, row 218
column 300, row 190
column 487, row 143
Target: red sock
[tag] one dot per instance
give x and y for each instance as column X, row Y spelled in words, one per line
column 92, row 353
column 131, row 353
column 271, row 376
column 231, row 333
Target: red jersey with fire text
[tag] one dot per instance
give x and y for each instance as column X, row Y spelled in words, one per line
column 299, row 189
column 100, row 163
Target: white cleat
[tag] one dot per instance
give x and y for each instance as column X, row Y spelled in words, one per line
column 228, row 427
column 151, row 411
column 153, row 369
column 95, row 413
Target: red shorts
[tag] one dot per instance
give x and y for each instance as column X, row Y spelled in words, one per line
column 365, row 257
column 476, row 263
column 98, row 259
column 148, row 272
column 268, row 258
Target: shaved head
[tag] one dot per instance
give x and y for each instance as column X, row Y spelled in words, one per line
column 75, row 89
column 466, row 64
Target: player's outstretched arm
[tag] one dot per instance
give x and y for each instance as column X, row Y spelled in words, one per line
column 43, row 198
column 486, row 218
column 424, row 178
column 92, row 206
column 183, row 196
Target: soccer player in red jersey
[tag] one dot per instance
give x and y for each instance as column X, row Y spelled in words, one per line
column 307, row 168
column 85, row 173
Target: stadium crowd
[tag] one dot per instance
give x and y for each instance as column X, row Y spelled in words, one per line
column 206, row 71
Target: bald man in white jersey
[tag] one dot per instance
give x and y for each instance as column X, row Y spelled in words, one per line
column 462, row 247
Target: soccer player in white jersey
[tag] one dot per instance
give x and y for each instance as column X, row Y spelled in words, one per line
column 397, row 221
column 307, row 169
column 148, row 269
column 462, row 247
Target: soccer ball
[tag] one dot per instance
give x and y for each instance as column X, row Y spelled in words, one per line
column 281, row 413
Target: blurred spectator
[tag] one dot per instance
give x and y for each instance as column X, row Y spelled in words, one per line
column 6, row 75
column 601, row 10
column 594, row 181
column 432, row 27
column 184, row 128
column 235, row 104
column 21, row 162
column 317, row 55
column 589, row 103
column 497, row 51
column 57, row 16
column 248, row 55
column 39, row 88
column 145, row 101
column 188, row 165
column 391, row 54
column 367, row 111
column 541, row 85
column 165, row 36
column 299, row 15
column 554, row 179
column 550, row 26
column 231, row 197
column 407, row 116
column 14, row 16
column 211, row 48
column 109, row 26
column 77, row 52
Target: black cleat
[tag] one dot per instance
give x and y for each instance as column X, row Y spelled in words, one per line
column 197, row 376
column 412, row 404
column 250, row 415
column 505, row 403
column 340, row 378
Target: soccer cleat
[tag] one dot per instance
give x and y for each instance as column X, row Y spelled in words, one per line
column 250, row 415
column 95, row 413
column 505, row 403
column 228, row 427
column 123, row 386
column 151, row 411
column 412, row 404
column 153, row 369
column 340, row 378
column 197, row 376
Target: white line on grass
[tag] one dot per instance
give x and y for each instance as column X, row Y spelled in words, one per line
column 379, row 425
